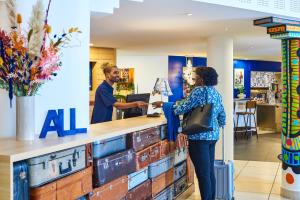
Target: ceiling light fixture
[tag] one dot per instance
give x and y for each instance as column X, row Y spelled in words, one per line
column 188, row 14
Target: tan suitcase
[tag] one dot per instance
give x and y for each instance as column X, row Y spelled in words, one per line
column 162, row 181
column 164, row 148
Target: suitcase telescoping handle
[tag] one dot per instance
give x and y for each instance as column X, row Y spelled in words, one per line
column 223, row 145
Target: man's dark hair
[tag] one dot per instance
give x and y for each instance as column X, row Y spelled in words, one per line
column 208, row 74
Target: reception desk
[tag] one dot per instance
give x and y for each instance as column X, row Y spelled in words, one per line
column 12, row 151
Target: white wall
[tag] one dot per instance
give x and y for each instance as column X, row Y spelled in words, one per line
column 71, row 87
column 147, row 69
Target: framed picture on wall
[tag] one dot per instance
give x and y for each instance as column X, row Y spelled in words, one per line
column 239, row 77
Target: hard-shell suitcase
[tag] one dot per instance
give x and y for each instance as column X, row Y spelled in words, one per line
column 144, row 138
column 180, row 186
column 110, row 146
column 162, row 181
column 20, row 181
column 68, row 188
column 181, row 141
column 140, row 192
column 164, row 148
column 154, row 152
column 114, row 166
column 224, row 172
column 163, row 131
column 89, row 154
column 167, row 194
column 46, row 168
column 137, row 178
column 161, row 166
column 180, row 155
column 142, row 158
column 179, row 171
column 114, row 190
column 190, row 170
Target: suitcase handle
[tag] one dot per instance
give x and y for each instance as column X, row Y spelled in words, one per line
column 67, row 170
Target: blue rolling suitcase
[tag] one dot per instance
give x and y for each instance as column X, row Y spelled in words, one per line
column 21, row 183
column 224, row 172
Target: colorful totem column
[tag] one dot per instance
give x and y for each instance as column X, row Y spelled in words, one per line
column 288, row 31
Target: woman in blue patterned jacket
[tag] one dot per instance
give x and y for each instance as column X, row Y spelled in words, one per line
column 202, row 145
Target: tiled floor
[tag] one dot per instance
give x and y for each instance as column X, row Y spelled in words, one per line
column 254, row 180
column 265, row 148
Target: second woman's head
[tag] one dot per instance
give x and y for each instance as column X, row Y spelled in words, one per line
column 206, row 76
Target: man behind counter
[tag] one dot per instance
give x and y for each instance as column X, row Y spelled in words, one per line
column 104, row 99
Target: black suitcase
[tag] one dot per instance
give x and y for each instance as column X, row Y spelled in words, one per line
column 180, row 186
column 112, row 167
column 21, row 183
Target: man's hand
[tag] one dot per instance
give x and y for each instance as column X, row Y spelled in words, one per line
column 141, row 104
column 157, row 104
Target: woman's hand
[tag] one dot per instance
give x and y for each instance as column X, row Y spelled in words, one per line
column 157, row 104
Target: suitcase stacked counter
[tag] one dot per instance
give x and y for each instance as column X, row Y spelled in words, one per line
column 47, row 168
column 21, row 182
column 67, row 188
column 142, row 158
column 180, row 170
column 112, row 167
column 166, row 194
column 155, row 152
column 180, row 155
column 137, row 178
column 114, row 190
column 163, row 131
column 141, row 192
column 108, row 147
column 190, row 170
column 162, row 181
column 180, row 186
column 164, row 148
column 161, row 166
column 142, row 139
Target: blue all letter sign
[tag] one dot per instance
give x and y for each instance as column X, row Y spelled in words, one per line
column 58, row 120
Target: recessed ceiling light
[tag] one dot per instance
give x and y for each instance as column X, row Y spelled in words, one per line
column 189, row 14
column 91, row 44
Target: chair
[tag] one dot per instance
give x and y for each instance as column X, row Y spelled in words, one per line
column 248, row 114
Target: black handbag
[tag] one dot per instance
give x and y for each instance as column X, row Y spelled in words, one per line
column 198, row 120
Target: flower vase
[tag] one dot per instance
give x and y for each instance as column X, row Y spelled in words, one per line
column 25, row 110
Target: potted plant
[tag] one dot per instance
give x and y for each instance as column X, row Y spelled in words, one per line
column 241, row 94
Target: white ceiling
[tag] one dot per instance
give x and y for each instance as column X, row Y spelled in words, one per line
column 161, row 27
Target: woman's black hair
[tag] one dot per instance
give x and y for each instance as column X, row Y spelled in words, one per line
column 208, row 75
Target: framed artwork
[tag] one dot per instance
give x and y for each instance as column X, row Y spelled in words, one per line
column 239, row 77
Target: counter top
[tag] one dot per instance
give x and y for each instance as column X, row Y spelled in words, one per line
column 12, row 150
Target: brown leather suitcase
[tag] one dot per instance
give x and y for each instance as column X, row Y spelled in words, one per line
column 154, row 152
column 181, row 141
column 112, row 167
column 114, row 190
column 89, row 154
column 172, row 146
column 46, row 192
column 142, row 158
column 162, row 181
column 190, row 170
column 140, row 192
column 164, row 148
column 68, row 188
column 141, row 139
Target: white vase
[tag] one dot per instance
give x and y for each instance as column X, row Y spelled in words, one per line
column 25, row 118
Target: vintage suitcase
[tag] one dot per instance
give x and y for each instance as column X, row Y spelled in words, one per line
column 167, row 194
column 180, row 171
column 137, row 178
column 142, row 158
column 154, row 152
column 180, row 186
column 110, row 146
column 190, row 170
column 181, row 141
column 164, row 148
column 163, row 131
column 180, row 155
column 161, row 166
column 141, row 192
column 20, row 181
column 114, row 166
column 162, row 181
column 67, row 188
column 114, row 190
column 52, row 166
column 224, row 172
column 144, row 138
column 89, row 154
column 172, row 145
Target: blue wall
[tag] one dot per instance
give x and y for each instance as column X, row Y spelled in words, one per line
column 176, row 63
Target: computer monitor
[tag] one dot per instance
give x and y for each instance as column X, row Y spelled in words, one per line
column 135, row 112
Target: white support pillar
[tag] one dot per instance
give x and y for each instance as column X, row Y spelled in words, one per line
column 220, row 57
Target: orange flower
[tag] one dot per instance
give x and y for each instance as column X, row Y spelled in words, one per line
column 48, row 28
column 1, row 61
column 9, row 51
column 19, row 18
